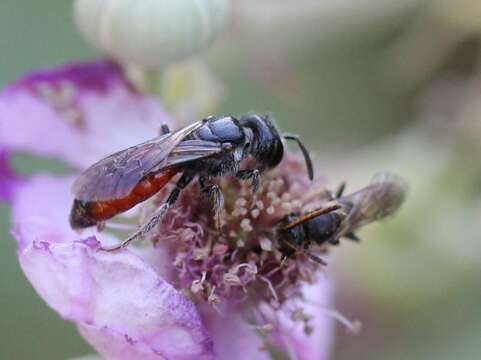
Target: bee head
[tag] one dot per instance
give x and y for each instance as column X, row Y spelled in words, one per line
column 263, row 140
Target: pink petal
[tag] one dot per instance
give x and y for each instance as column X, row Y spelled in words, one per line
column 78, row 113
column 121, row 305
column 234, row 339
column 8, row 180
column 291, row 337
column 41, row 207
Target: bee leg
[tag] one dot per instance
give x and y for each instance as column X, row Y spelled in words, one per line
column 340, row 190
column 218, row 203
column 353, row 237
column 204, row 185
column 157, row 216
column 333, row 240
column 253, row 174
column 164, row 129
column 305, row 252
column 100, row 226
column 213, row 192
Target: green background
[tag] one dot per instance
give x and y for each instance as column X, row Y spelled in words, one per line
column 337, row 97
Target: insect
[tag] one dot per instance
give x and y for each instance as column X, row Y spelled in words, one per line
column 215, row 146
column 341, row 216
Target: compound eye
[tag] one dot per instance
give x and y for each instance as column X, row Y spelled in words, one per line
column 227, row 146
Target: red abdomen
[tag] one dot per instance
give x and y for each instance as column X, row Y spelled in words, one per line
column 89, row 213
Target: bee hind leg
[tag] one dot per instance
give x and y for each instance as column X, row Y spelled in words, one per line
column 305, row 252
column 340, row 190
column 214, row 194
column 157, row 216
column 353, row 237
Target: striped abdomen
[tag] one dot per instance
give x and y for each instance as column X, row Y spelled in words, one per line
column 89, row 213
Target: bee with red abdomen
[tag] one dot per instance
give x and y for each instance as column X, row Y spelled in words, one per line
column 213, row 147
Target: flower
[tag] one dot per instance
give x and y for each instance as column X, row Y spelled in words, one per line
column 7, row 178
column 196, row 293
column 150, row 33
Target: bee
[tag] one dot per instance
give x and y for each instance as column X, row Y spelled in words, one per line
column 341, row 216
column 213, row 147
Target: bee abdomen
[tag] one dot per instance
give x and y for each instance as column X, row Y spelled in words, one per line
column 89, row 213
column 322, row 228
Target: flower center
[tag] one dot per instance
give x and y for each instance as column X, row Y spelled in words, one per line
column 240, row 260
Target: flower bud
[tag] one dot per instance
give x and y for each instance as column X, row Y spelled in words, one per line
column 150, row 33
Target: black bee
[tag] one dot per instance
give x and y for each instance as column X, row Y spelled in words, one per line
column 341, row 217
column 213, row 147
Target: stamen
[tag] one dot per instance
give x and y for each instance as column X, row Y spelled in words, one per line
column 216, row 263
column 239, row 211
column 260, row 205
column 197, row 285
column 251, row 269
column 265, row 244
column 213, row 298
column 263, row 329
column 353, row 326
column 299, row 315
column 271, row 288
column 246, row 225
column 62, row 98
column 273, row 271
column 271, row 195
column 232, row 279
column 287, row 207
column 179, row 259
column 241, row 202
column 220, row 249
column 297, row 204
column 201, row 253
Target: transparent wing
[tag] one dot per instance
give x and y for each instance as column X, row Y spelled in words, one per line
column 381, row 198
column 115, row 176
column 189, row 150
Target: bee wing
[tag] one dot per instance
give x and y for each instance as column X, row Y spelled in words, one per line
column 115, row 176
column 190, row 150
column 378, row 200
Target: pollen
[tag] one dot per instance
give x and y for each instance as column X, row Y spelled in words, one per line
column 246, row 225
column 287, row 207
column 197, row 285
column 232, row 279
column 265, row 244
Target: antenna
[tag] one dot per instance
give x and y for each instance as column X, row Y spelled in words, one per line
column 311, row 215
column 307, row 157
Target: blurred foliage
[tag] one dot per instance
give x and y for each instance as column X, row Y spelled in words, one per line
column 396, row 91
